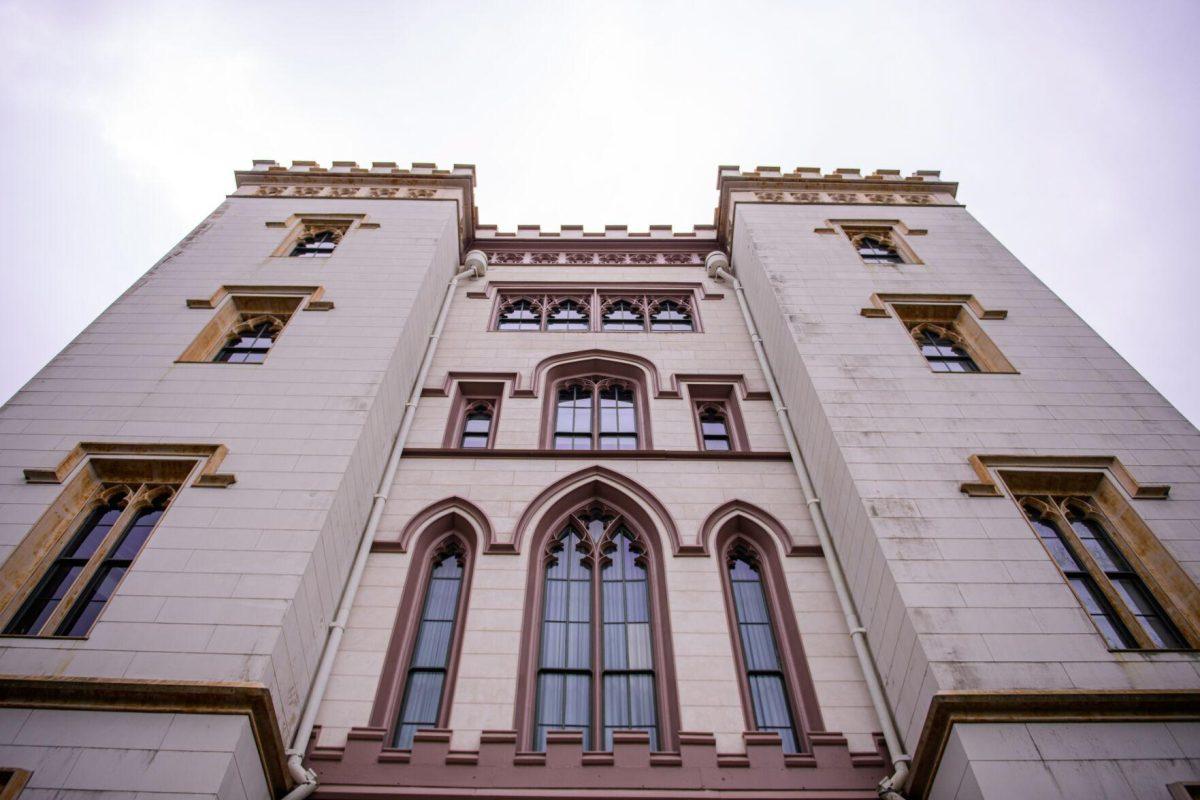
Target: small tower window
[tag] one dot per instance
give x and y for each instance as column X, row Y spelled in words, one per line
column 250, row 342
column 477, row 425
column 670, row 316
column 943, row 350
column 319, row 244
column 714, row 427
column 623, row 315
column 567, row 315
column 519, row 315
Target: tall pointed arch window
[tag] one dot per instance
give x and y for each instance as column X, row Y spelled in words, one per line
column 596, row 670
column 595, row 413
column 778, row 693
column 425, row 685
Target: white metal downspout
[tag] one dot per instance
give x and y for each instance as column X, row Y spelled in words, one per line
column 717, row 264
column 475, row 266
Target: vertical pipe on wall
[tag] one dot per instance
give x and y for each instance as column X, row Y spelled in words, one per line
column 475, row 266
column 718, row 266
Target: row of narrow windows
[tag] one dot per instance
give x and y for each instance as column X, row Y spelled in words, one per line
column 658, row 315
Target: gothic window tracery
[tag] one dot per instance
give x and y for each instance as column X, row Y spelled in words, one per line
column 715, row 432
column 317, row 242
column 251, row 340
column 943, row 348
column 876, row 245
column 595, row 413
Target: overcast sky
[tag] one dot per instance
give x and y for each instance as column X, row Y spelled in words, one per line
column 1071, row 127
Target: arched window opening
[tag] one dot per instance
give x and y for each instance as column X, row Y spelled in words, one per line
column 714, row 427
column 83, row 576
column 319, row 244
column 429, row 665
column 250, row 342
column 596, row 672
column 943, row 350
column 623, row 315
column 595, row 413
column 877, row 248
column 519, row 315
column 670, row 316
column 760, row 655
column 567, row 315
column 477, row 425
column 1110, row 590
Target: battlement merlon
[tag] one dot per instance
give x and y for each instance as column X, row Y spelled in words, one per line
column 845, row 186
column 346, row 180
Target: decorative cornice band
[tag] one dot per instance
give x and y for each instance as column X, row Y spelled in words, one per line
column 165, row 697
column 949, row 708
column 598, row 455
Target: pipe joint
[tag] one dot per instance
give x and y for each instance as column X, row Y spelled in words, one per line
column 476, row 263
column 716, row 263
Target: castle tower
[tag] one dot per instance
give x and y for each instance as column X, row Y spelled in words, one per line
column 351, row 496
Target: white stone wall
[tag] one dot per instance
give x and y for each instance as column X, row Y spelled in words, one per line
column 955, row 591
column 237, row 583
column 102, row 755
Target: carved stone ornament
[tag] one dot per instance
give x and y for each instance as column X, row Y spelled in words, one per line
column 547, row 257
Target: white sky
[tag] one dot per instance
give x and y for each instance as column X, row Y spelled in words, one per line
column 1072, row 128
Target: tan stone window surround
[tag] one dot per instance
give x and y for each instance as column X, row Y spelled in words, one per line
column 469, row 395
column 639, row 309
column 1101, row 488
column 242, row 308
column 300, row 226
column 129, row 478
column 950, row 316
column 889, row 237
column 12, row 781
column 720, row 398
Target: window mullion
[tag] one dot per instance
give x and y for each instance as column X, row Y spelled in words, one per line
column 67, row 605
column 1100, row 578
column 597, row 630
column 596, row 433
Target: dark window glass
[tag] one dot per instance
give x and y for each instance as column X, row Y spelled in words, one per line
column 623, row 315
column 477, row 426
column 520, row 315
column 564, row 680
column 249, row 347
column 670, row 316
column 878, row 250
column 618, row 419
column 628, row 670
column 760, row 653
column 426, row 681
column 943, row 354
column 1128, row 583
column 62, row 574
column 316, row 245
column 112, row 568
column 1090, row 596
column 714, row 429
column 573, row 418
column 567, row 316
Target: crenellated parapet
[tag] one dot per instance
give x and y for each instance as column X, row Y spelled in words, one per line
column 842, row 187
column 565, row 769
column 346, row 180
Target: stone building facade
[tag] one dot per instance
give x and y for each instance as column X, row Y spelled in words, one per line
column 353, row 496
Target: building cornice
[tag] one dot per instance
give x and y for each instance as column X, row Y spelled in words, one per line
column 842, row 187
column 384, row 180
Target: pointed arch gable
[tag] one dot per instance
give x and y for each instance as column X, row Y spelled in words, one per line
column 587, row 360
column 596, row 482
column 730, row 513
column 441, row 516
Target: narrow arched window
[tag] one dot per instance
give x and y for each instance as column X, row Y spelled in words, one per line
column 763, row 668
column 428, row 667
column 595, row 413
column 944, row 353
column 596, row 671
column 714, row 427
column 877, row 248
column 670, row 316
column 320, row 244
column 623, row 315
column 567, row 315
column 251, row 344
column 519, row 315
column 477, row 425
